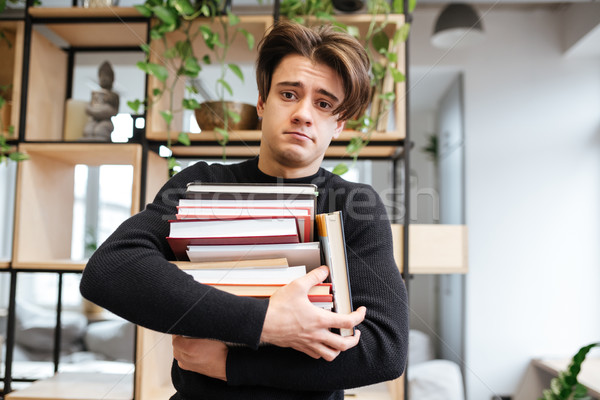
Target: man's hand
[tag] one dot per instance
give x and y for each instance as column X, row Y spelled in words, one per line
column 204, row 356
column 293, row 321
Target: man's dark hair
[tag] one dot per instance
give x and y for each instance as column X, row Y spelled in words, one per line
column 324, row 45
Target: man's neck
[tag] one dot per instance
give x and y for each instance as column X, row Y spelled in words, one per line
column 278, row 170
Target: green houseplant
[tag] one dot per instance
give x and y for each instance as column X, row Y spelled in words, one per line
column 179, row 61
column 566, row 386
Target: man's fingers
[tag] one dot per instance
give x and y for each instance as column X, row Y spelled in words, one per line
column 314, row 277
column 346, row 321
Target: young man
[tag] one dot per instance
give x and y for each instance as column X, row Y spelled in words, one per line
column 310, row 82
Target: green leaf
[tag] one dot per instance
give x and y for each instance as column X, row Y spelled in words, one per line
column 145, row 48
column 381, row 42
column 397, row 75
column 232, row 18
column 134, row 105
column 340, row 169
column 184, row 7
column 224, row 135
column 11, row 130
column 184, row 139
column 237, row 71
column 167, row 116
column 155, row 34
column 2, row 101
column 190, row 104
column 159, row 71
column 18, row 156
column 249, row 38
column 156, row 92
column 398, row 6
column 401, row 34
column 206, row 59
column 167, row 15
column 225, row 86
column 235, row 117
column 356, row 144
column 192, row 68
column 144, row 10
column 172, row 163
column 353, row 30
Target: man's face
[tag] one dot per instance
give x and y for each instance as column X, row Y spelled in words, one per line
column 297, row 124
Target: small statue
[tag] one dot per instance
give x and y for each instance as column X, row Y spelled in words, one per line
column 103, row 106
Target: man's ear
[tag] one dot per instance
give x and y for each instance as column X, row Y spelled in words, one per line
column 339, row 128
column 260, row 106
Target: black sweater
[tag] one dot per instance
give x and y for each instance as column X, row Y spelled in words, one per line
column 129, row 275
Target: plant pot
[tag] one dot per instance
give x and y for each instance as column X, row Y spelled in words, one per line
column 210, row 115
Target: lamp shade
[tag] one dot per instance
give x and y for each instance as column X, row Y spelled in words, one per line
column 457, row 26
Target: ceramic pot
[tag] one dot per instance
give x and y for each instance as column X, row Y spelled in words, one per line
column 210, row 115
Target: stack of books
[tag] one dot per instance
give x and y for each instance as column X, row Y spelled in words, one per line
column 251, row 239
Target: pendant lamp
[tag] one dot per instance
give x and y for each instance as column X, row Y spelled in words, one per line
column 457, row 26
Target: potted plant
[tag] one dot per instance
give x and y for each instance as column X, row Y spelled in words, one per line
column 566, row 386
column 179, row 60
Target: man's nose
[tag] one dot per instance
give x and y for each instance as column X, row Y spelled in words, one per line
column 302, row 113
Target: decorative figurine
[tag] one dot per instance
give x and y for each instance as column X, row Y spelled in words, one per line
column 103, row 106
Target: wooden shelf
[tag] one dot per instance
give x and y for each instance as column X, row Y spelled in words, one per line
column 71, row 26
column 44, row 198
column 82, row 12
column 78, row 386
column 433, row 249
column 4, row 264
column 246, row 144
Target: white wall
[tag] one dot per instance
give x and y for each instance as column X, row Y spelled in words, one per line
column 532, row 130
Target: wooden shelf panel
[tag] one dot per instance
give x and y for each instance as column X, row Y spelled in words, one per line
column 4, row 264
column 82, row 12
column 246, row 144
column 70, row 25
column 433, row 249
column 53, row 265
column 78, row 386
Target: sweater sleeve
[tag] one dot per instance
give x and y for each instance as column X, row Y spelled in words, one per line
column 376, row 284
column 130, row 275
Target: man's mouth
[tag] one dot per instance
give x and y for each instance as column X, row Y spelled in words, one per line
column 299, row 135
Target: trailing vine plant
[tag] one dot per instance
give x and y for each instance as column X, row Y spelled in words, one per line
column 566, row 386
column 180, row 62
column 7, row 151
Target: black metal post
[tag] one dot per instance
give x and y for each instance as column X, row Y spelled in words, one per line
column 25, row 66
column 407, row 149
column 10, row 333
column 58, row 326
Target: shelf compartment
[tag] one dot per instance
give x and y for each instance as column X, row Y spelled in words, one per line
column 156, row 127
column 433, row 248
column 11, row 70
column 78, row 386
column 45, row 197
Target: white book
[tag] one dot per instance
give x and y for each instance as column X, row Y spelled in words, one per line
column 308, row 253
column 269, row 276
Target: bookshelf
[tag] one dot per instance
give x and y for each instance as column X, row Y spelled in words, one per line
column 44, row 188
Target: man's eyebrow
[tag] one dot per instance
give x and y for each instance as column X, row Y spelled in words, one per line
column 327, row 93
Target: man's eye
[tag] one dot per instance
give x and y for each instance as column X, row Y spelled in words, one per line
column 288, row 95
column 324, row 104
